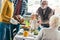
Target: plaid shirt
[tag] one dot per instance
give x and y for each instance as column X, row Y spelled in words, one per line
column 22, row 9
column 17, row 5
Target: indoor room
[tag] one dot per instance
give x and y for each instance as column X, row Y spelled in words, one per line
column 29, row 19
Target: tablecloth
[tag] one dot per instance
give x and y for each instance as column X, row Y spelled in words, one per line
column 21, row 37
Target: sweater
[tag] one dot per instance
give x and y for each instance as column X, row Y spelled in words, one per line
column 49, row 34
column 7, row 12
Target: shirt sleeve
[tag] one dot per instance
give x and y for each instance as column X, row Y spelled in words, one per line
column 38, row 13
column 52, row 13
column 5, row 9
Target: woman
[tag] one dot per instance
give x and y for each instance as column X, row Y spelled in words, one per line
column 51, row 33
column 6, row 15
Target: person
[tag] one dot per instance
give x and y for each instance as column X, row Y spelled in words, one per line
column 33, row 22
column 15, row 25
column 44, row 12
column 6, row 15
column 16, row 17
column 51, row 33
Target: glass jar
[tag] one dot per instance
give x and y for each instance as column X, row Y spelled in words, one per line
column 26, row 34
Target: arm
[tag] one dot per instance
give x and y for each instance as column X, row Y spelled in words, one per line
column 52, row 13
column 6, row 10
column 18, row 18
column 38, row 13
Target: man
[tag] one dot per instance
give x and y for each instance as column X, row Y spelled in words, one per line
column 6, row 15
column 44, row 12
column 16, row 16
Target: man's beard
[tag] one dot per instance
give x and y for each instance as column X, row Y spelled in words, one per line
column 44, row 7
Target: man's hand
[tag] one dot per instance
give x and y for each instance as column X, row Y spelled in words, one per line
column 18, row 18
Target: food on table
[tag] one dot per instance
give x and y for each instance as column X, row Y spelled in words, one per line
column 26, row 34
column 36, row 32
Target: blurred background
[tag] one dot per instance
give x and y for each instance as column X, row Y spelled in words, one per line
column 35, row 4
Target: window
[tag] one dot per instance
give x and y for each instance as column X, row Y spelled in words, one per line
column 34, row 4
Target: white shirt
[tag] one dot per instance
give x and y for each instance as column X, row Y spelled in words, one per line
column 33, row 24
column 49, row 34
